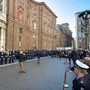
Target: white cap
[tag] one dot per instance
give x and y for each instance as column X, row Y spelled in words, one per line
column 81, row 65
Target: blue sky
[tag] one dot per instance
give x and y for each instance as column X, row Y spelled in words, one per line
column 66, row 9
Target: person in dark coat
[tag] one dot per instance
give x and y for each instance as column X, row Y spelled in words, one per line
column 74, row 56
column 38, row 54
column 82, row 79
column 21, row 62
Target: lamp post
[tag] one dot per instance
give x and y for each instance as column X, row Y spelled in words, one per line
column 84, row 16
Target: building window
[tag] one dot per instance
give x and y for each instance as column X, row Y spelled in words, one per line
column 34, row 25
column 79, row 21
column 20, row 30
column 19, row 41
column 79, row 34
column 44, row 18
column 45, row 27
column 34, row 42
column 1, row 6
column 35, row 10
column 35, row 16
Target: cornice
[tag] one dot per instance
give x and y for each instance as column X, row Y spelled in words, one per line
column 42, row 3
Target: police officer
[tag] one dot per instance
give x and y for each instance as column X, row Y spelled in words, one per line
column 82, row 80
column 10, row 57
column 2, row 57
column 6, row 57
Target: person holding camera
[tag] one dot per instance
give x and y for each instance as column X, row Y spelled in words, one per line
column 21, row 58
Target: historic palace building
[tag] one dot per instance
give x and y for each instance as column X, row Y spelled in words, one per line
column 26, row 24
column 3, row 22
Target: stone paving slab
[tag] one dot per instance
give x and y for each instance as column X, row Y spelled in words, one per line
column 49, row 75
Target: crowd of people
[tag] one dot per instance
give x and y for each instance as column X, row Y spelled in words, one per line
column 79, row 57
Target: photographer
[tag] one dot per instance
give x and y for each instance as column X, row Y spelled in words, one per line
column 21, row 62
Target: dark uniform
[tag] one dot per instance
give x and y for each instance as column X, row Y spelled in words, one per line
column 74, row 56
column 1, row 58
column 21, row 58
column 78, row 84
column 86, row 81
column 38, row 54
column 82, row 81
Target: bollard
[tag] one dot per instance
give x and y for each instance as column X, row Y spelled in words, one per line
column 65, row 85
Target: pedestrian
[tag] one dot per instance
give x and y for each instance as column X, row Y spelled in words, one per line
column 21, row 62
column 74, row 55
column 69, row 58
column 82, row 79
column 38, row 54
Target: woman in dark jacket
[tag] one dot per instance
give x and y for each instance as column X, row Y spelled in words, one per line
column 21, row 62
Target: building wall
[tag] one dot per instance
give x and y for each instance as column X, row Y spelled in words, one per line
column 27, row 26
column 80, row 32
column 3, row 24
column 63, row 36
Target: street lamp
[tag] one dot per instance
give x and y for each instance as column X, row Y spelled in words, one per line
column 84, row 16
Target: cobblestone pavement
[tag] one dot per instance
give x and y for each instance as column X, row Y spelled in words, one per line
column 49, row 75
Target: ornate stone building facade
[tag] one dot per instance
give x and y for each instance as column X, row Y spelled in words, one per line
column 3, row 22
column 30, row 25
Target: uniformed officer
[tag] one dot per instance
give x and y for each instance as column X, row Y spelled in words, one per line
column 2, row 57
column 6, row 57
column 82, row 80
column 10, row 57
